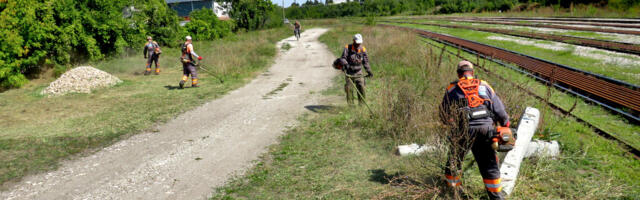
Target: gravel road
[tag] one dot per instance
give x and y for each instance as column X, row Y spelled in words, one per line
column 200, row 149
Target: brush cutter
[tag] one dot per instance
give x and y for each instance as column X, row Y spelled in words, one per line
column 503, row 139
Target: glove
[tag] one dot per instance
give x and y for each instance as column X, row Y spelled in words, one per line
column 369, row 75
column 199, row 57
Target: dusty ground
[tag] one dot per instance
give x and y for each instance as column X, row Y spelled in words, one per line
column 200, row 149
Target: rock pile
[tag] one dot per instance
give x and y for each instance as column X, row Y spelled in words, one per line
column 80, row 80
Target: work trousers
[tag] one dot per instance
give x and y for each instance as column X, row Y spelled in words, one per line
column 355, row 79
column 151, row 59
column 189, row 69
column 487, row 159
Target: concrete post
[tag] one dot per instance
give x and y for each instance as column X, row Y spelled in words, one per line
column 511, row 164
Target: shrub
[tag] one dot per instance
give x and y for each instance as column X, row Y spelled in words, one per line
column 205, row 25
column 253, row 14
column 39, row 33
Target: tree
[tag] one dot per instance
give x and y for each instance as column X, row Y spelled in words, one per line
column 250, row 14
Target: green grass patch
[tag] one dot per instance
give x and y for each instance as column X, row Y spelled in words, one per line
column 618, row 126
column 566, row 57
column 38, row 131
column 585, row 34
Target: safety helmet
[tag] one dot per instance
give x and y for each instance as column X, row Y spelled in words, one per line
column 464, row 66
column 188, row 37
column 148, row 37
column 357, row 38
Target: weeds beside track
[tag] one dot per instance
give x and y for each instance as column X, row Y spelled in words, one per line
column 538, row 25
column 530, row 64
column 635, row 152
column 601, row 44
column 606, row 92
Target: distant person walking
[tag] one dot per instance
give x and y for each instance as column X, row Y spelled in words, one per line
column 152, row 54
column 356, row 56
column 296, row 29
column 189, row 63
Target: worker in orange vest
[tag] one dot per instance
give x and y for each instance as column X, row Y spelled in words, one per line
column 152, row 54
column 188, row 59
column 470, row 106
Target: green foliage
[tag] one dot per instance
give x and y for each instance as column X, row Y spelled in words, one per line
column 158, row 20
column 40, row 33
column 625, row 4
column 253, row 14
column 205, row 25
column 393, row 7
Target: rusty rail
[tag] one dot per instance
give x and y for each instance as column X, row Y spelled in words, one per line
column 618, row 96
column 603, row 30
column 630, row 148
column 602, row 44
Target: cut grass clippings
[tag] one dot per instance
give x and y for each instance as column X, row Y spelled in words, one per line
column 344, row 153
column 37, row 132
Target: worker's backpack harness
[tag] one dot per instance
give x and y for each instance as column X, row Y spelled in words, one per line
column 186, row 55
column 355, row 57
column 503, row 138
column 475, row 108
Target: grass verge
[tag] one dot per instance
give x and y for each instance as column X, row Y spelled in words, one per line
column 586, row 34
column 37, row 132
column 345, row 153
column 603, row 64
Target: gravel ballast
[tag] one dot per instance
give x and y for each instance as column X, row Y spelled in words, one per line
column 81, row 80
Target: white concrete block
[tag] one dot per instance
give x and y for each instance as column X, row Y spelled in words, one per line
column 511, row 164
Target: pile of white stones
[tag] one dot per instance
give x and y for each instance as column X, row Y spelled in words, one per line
column 81, row 80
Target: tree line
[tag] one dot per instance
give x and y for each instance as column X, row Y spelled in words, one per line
column 361, row 8
column 42, row 34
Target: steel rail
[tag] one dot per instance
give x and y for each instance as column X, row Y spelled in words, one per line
column 603, row 30
column 576, row 19
column 601, row 44
column 583, row 84
column 569, row 22
column 635, row 152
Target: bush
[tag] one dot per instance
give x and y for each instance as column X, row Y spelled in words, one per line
column 38, row 33
column 252, row 14
column 205, row 25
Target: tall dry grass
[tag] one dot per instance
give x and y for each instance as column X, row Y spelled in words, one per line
column 406, row 98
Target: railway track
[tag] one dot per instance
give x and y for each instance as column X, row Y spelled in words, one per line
column 633, row 151
column 617, row 96
column 602, row 44
column 603, row 30
column 538, row 25
column 592, row 20
column 570, row 22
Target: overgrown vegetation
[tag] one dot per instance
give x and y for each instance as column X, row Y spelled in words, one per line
column 315, row 9
column 614, row 67
column 346, row 153
column 37, row 35
column 205, row 25
column 255, row 14
column 37, row 132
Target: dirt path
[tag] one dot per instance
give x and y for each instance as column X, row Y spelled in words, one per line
column 202, row 148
